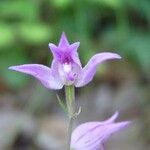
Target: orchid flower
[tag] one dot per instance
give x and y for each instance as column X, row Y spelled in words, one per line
column 66, row 67
column 92, row 135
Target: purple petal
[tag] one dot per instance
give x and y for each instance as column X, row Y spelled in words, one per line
column 42, row 73
column 65, row 52
column 74, row 54
column 87, row 126
column 63, row 40
column 95, row 135
column 74, row 46
column 112, row 118
column 62, row 47
column 55, row 51
column 113, row 128
column 92, row 135
column 89, row 70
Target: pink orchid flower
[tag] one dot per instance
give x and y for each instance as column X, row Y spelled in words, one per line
column 66, row 67
column 92, row 135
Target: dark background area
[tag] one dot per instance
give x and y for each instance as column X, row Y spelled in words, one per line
column 30, row 118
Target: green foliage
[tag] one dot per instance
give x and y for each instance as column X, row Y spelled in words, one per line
column 36, row 33
column 7, row 58
column 29, row 25
column 6, row 35
column 19, row 9
column 60, row 4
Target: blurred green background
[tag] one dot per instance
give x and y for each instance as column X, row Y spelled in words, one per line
column 29, row 114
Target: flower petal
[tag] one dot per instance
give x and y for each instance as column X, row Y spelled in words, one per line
column 95, row 135
column 65, row 52
column 112, row 118
column 63, row 40
column 74, row 46
column 89, row 70
column 92, row 135
column 87, row 126
column 113, row 128
column 55, row 51
column 42, row 73
column 74, row 53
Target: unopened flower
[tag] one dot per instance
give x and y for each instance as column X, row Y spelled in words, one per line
column 66, row 68
column 92, row 135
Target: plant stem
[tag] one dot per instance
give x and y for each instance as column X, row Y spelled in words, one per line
column 70, row 101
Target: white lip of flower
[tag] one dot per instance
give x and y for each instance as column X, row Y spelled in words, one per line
column 66, row 67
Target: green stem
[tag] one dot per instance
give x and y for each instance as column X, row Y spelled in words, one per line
column 70, row 101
